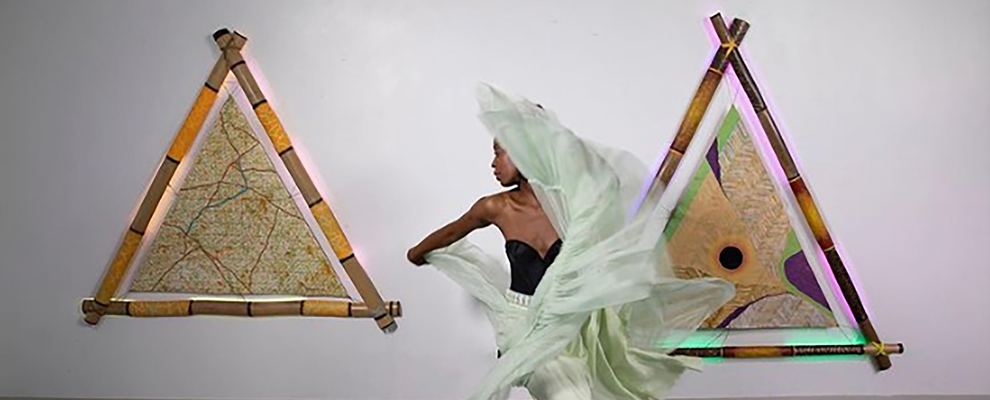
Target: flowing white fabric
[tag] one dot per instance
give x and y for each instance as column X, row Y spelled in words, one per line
column 609, row 308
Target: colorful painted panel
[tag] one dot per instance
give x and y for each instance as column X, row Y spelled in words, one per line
column 233, row 227
column 730, row 223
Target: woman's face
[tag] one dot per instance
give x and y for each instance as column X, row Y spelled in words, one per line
column 503, row 168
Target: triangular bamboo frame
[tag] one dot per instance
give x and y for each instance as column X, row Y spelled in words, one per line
column 728, row 54
column 231, row 60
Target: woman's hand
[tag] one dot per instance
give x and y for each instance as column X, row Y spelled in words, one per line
column 415, row 256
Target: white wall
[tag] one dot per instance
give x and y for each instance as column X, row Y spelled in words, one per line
column 885, row 103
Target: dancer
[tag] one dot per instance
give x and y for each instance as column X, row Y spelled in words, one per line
column 592, row 307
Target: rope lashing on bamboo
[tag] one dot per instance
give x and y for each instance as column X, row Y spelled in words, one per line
column 729, row 47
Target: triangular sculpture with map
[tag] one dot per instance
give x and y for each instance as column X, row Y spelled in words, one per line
column 730, row 220
column 241, row 232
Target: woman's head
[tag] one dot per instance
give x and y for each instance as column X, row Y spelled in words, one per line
column 505, row 171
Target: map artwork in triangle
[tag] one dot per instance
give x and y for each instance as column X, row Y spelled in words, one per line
column 233, row 227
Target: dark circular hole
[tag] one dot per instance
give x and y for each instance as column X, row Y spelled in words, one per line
column 730, row 257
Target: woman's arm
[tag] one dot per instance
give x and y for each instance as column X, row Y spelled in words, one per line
column 481, row 214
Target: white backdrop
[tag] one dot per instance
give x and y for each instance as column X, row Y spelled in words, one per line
column 885, row 105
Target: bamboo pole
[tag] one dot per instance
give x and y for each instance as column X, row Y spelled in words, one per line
column 699, row 104
column 803, row 196
column 227, row 42
column 872, row 349
column 263, row 308
column 176, row 152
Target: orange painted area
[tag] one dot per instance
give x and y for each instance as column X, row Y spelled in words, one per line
column 710, row 225
column 696, row 111
column 178, row 308
column 280, row 140
column 811, row 214
column 757, row 352
column 330, row 227
column 194, row 121
column 111, row 281
column 316, row 308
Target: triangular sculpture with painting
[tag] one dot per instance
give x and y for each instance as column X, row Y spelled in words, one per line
column 747, row 216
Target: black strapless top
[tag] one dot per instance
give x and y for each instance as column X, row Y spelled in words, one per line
column 527, row 265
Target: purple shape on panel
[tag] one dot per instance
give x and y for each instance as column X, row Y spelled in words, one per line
column 800, row 275
column 712, row 158
column 735, row 314
column 738, row 311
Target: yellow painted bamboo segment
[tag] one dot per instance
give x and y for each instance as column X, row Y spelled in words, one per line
column 114, row 274
column 696, row 111
column 758, row 352
column 176, row 308
column 324, row 309
column 331, row 228
column 280, row 140
column 811, row 214
column 300, row 177
column 194, row 121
